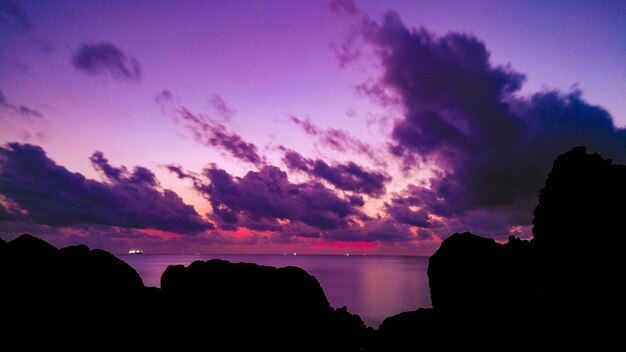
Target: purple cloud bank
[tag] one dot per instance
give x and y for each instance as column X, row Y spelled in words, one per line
column 347, row 177
column 268, row 194
column 465, row 115
column 39, row 191
column 266, row 200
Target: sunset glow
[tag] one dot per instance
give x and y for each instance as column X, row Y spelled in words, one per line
column 307, row 126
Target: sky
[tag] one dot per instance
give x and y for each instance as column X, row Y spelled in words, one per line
column 297, row 126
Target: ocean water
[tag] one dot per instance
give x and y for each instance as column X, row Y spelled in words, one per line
column 374, row 287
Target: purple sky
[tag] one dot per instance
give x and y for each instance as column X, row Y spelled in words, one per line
column 317, row 127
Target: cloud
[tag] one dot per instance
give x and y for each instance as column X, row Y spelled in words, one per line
column 268, row 194
column 267, row 201
column 140, row 175
column 39, row 191
column 338, row 140
column 212, row 133
column 464, row 115
column 208, row 131
column 343, row 7
column 164, row 97
column 12, row 14
column 220, row 107
column 26, row 111
column 406, row 215
column 20, row 110
column 102, row 58
column 347, row 177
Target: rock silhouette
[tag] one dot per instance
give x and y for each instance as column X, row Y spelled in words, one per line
column 262, row 302
column 74, row 294
column 579, row 233
column 560, row 289
column 562, row 285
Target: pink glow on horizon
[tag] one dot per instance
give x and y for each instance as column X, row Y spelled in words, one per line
column 161, row 234
column 245, row 232
column 267, row 62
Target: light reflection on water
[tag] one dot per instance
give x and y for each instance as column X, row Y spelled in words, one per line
column 374, row 287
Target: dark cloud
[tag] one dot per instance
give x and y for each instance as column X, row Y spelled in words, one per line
column 11, row 13
column 212, row 133
column 356, row 200
column 295, row 161
column 101, row 58
column 405, row 215
column 42, row 192
column 379, row 230
column 267, row 201
column 338, row 140
column 465, row 115
column 20, row 110
column 180, row 172
column 406, row 207
column 140, row 175
column 101, row 163
column 220, row 107
column 351, row 177
column 347, row 177
column 268, row 195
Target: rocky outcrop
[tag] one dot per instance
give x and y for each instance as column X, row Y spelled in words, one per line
column 560, row 288
column 579, row 235
column 265, row 303
column 75, row 294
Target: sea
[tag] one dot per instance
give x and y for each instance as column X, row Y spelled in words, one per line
column 374, row 287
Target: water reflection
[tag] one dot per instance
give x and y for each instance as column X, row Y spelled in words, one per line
column 374, row 287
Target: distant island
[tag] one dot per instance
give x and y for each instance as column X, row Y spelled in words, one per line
column 561, row 288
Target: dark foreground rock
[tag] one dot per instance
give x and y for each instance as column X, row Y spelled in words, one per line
column 564, row 288
column 271, row 307
column 75, row 296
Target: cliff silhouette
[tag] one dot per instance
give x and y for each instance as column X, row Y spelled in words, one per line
column 560, row 289
column 74, row 295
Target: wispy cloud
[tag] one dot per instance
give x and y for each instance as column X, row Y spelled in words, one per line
column 338, row 140
column 20, row 110
column 221, row 108
column 102, row 58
